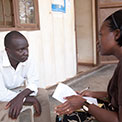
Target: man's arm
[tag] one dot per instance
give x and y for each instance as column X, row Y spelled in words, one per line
column 32, row 77
column 16, row 104
column 20, row 97
column 5, row 94
column 33, row 101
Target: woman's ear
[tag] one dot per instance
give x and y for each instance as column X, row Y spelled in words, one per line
column 117, row 34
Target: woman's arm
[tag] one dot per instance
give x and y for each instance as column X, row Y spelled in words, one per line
column 103, row 115
column 99, row 95
column 120, row 113
column 76, row 102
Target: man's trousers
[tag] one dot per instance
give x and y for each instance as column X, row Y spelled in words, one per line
column 43, row 99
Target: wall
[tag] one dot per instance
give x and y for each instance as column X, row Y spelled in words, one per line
column 86, row 46
column 53, row 46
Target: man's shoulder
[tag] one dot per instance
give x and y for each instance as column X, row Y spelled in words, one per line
column 1, row 56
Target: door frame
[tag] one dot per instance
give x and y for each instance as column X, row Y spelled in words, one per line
column 94, row 34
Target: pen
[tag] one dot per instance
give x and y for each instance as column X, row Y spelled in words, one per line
column 84, row 89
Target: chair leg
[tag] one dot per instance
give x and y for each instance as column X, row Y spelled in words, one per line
column 32, row 111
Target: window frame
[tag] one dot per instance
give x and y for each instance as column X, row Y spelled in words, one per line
column 16, row 22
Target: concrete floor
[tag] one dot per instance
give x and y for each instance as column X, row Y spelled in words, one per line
column 97, row 80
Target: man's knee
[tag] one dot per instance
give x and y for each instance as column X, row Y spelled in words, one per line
column 43, row 95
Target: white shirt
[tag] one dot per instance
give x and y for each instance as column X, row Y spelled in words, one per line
column 11, row 78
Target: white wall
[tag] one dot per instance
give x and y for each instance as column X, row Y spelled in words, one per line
column 53, row 46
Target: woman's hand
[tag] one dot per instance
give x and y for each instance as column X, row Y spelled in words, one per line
column 72, row 104
column 87, row 93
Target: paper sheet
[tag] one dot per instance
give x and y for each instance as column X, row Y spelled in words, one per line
column 63, row 90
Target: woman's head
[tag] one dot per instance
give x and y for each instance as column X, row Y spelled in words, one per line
column 111, row 33
column 115, row 22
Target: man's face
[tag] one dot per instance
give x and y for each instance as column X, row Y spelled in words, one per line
column 18, row 50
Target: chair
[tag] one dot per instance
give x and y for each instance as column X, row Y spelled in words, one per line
column 32, row 111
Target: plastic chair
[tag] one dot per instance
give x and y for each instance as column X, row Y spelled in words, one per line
column 32, row 111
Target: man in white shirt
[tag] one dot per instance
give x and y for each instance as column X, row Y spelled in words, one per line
column 17, row 70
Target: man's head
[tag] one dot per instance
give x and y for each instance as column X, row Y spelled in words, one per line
column 16, row 46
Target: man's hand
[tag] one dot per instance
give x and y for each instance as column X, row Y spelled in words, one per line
column 73, row 103
column 15, row 106
column 33, row 101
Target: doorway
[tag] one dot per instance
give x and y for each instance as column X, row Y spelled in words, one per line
column 85, row 24
column 89, row 15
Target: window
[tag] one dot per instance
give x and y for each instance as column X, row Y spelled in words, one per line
column 19, row 15
column 5, row 13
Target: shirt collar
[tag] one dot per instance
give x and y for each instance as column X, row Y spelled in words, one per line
column 6, row 62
